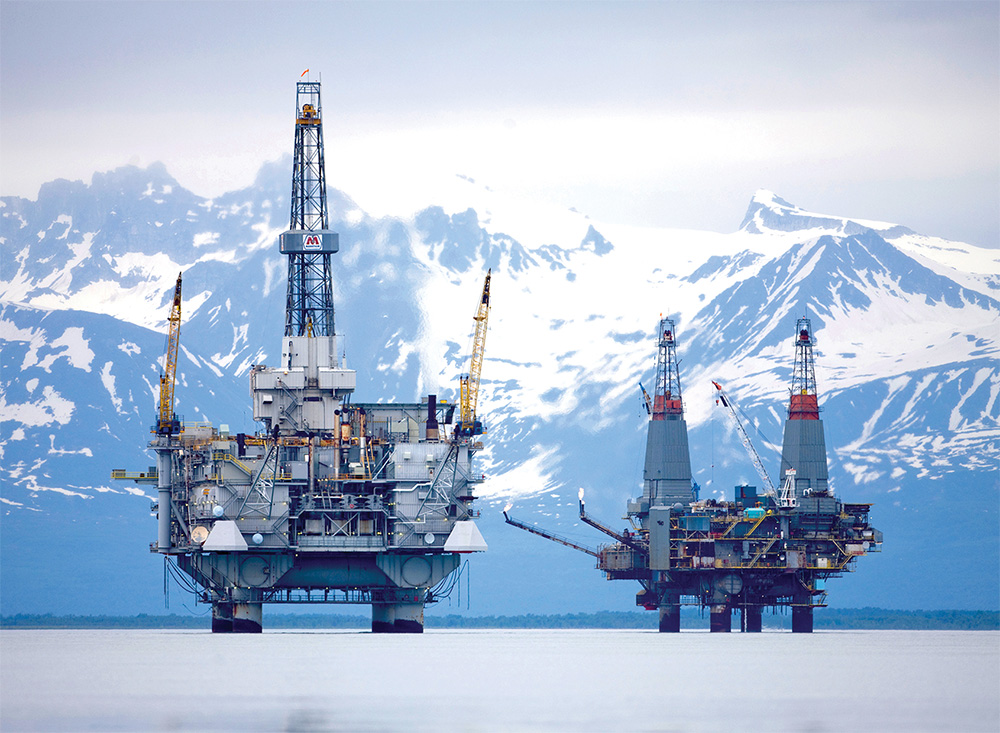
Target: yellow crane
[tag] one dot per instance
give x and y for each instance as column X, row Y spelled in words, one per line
column 469, row 383
column 646, row 401
column 168, row 424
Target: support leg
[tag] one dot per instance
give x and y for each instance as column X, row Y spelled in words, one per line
column 222, row 618
column 397, row 618
column 248, row 618
column 751, row 621
column 802, row 619
column 670, row 615
column 721, row 619
column 383, row 616
column 409, row 618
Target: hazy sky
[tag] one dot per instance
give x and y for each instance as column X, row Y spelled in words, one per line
column 661, row 114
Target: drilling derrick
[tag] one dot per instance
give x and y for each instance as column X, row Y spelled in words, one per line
column 332, row 501
column 304, row 395
column 667, row 470
column 760, row 551
column 668, row 379
column 804, row 444
column 308, row 244
column 803, row 404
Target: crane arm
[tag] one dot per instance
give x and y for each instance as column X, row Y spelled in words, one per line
column 469, row 384
column 646, row 399
column 727, row 402
column 548, row 535
column 167, row 423
column 628, row 540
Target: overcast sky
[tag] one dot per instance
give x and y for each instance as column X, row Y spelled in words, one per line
column 660, row 114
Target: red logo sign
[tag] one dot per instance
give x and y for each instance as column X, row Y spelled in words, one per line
column 312, row 242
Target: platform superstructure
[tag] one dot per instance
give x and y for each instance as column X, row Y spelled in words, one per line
column 332, row 501
column 767, row 550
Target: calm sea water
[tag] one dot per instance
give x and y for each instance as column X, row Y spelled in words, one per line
column 492, row 680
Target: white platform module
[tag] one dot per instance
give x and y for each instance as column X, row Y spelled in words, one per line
column 465, row 537
column 225, row 537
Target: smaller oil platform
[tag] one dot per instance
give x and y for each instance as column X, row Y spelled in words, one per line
column 766, row 549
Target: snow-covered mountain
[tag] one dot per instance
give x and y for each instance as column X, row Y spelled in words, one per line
column 907, row 330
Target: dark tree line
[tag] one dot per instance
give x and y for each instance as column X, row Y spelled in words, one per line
column 826, row 618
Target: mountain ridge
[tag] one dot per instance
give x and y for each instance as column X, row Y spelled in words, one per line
column 906, row 357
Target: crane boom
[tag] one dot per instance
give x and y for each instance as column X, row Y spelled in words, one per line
column 751, row 451
column 646, row 400
column 625, row 539
column 548, row 535
column 469, row 383
column 167, row 424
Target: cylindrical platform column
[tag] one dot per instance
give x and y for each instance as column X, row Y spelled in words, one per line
column 383, row 616
column 163, row 519
column 802, row 619
column 409, row 618
column 721, row 619
column 397, row 618
column 751, row 619
column 670, row 613
column 222, row 618
column 248, row 618
column 163, row 500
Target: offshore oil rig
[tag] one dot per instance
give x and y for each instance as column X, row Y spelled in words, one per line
column 768, row 550
column 333, row 501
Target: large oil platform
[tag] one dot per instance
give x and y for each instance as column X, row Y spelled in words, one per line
column 768, row 550
column 333, row 501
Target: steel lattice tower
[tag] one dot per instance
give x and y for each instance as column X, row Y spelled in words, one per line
column 309, row 305
column 667, row 469
column 667, row 392
column 804, row 443
column 803, row 404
